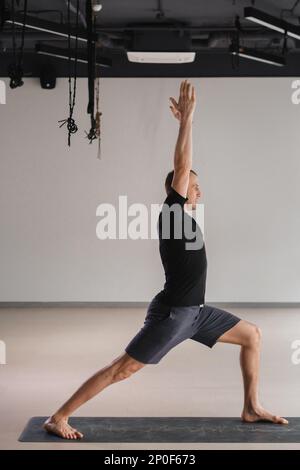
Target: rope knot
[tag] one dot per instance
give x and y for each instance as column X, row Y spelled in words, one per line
column 15, row 74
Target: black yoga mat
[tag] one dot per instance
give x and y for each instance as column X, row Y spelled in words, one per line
column 167, row 429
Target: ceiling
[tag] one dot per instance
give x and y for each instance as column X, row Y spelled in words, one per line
column 210, row 25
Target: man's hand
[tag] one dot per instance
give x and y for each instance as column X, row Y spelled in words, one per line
column 185, row 107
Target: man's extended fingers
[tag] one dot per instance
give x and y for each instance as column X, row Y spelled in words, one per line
column 181, row 91
column 181, row 87
column 193, row 93
column 188, row 91
column 185, row 89
column 173, row 109
column 174, row 102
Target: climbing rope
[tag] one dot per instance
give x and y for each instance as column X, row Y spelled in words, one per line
column 98, row 116
column 71, row 125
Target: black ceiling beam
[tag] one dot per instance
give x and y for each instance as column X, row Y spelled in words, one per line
column 151, row 27
column 207, row 64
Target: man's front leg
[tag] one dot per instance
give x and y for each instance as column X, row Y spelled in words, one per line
column 248, row 336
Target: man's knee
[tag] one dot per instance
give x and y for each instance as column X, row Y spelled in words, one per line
column 254, row 336
column 125, row 366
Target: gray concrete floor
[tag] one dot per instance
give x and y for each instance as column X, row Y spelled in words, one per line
column 51, row 351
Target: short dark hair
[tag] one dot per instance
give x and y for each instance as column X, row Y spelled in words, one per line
column 169, row 180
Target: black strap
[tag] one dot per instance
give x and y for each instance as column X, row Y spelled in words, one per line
column 284, row 47
column 15, row 70
column 91, row 53
column 235, row 59
column 2, row 14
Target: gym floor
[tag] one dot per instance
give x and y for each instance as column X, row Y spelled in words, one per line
column 51, row 351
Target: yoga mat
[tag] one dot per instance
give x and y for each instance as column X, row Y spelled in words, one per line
column 167, row 429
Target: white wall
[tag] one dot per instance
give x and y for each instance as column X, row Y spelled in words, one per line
column 246, row 150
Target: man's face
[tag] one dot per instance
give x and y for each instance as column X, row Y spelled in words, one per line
column 193, row 192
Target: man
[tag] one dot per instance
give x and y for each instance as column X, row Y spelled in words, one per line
column 178, row 312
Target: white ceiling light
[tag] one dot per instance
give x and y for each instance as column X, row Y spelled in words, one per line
column 271, row 22
column 258, row 56
column 265, row 23
column 160, row 46
column 96, row 6
column 46, row 26
column 161, row 57
column 53, row 51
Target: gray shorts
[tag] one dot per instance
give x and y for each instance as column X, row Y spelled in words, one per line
column 166, row 326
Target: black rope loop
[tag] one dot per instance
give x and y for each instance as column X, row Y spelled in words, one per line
column 15, row 73
column 71, row 125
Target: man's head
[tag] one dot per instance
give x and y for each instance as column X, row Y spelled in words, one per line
column 193, row 191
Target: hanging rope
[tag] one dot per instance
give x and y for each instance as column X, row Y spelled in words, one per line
column 97, row 91
column 71, row 125
column 284, row 47
column 15, row 70
column 2, row 14
column 235, row 59
column 98, row 117
column 91, row 53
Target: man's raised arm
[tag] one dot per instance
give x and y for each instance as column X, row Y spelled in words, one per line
column 183, row 111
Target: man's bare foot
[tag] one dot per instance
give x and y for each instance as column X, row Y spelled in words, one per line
column 61, row 428
column 253, row 414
